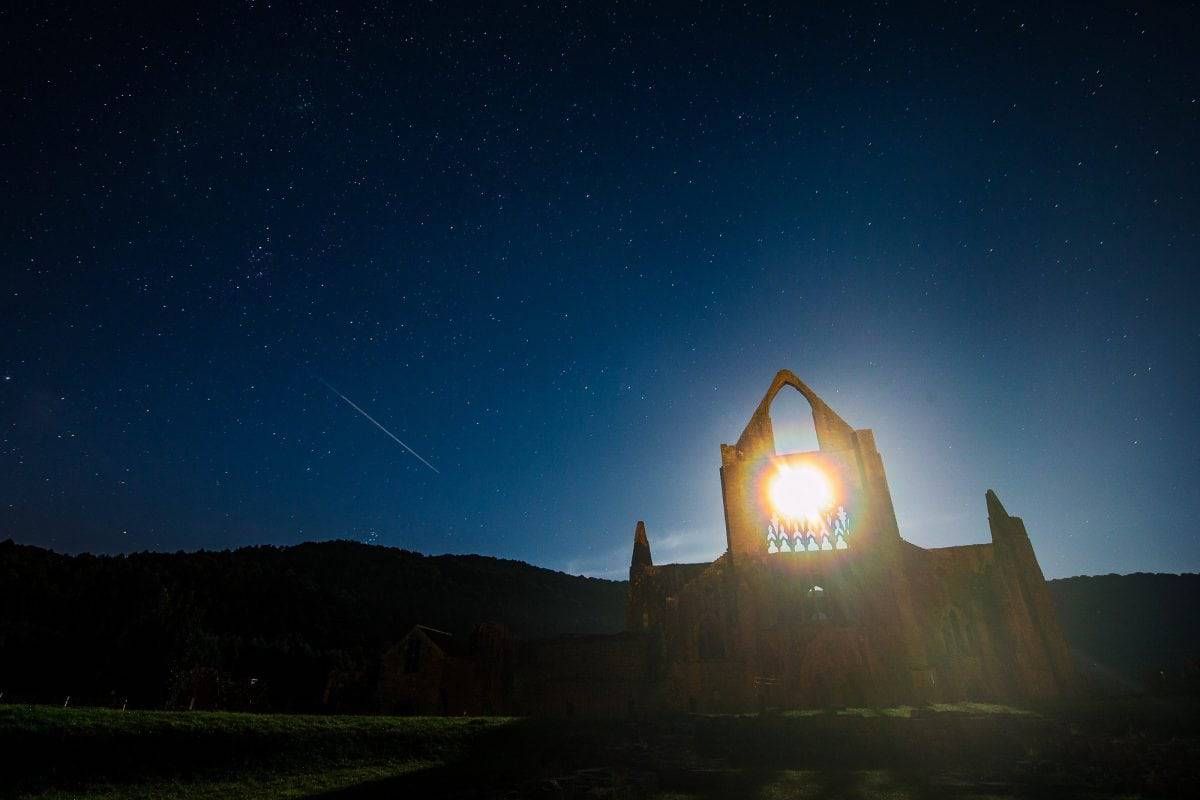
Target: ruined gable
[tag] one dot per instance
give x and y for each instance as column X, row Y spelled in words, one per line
column 816, row 602
column 820, row 601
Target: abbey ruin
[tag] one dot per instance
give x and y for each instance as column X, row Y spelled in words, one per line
column 816, row 602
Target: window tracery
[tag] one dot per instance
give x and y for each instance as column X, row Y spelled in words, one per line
column 826, row 531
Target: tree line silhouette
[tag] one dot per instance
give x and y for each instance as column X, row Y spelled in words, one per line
column 303, row 628
column 274, row 628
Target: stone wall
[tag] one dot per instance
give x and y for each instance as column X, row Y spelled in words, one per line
column 609, row 676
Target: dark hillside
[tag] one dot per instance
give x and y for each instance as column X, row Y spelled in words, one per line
column 1137, row 632
column 152, row 626
column 303, row 628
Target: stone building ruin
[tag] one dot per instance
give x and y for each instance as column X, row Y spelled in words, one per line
column 816, row 602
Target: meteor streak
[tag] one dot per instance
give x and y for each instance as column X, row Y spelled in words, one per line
column 374, row 422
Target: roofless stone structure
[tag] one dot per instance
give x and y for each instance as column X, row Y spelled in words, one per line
column 817, row 601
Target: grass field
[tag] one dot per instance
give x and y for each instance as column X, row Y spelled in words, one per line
column 961, row 751
column 98, row 753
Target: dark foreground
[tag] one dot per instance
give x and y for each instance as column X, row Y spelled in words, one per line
column 1127, row 749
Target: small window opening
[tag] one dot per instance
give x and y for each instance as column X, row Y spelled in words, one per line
column 817, row 609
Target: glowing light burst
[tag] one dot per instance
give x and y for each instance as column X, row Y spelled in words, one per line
column 801, row 492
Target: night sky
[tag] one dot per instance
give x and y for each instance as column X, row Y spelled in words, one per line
column 560, row 252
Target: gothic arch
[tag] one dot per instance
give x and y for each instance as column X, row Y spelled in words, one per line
column 758, row 438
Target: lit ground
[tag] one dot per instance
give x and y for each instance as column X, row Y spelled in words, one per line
column 959, row 751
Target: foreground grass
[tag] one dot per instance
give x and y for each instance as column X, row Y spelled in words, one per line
column 906, row 712
column 98, row 753
column 272, row 786
column 968, row 751
column 879, row 785
column 38, row 720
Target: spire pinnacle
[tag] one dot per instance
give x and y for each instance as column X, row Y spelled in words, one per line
column 641, row 551
column 995, row 507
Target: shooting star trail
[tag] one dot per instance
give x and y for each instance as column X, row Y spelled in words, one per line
column 374, row 422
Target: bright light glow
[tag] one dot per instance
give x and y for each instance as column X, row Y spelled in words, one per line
column 800, row 492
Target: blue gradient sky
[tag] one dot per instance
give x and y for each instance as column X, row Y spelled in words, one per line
column 561, row 253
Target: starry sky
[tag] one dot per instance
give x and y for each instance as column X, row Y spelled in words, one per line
column 561, row 250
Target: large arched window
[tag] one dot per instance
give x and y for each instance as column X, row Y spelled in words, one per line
column 807, row 502
column 799, row 463
column 792, row 423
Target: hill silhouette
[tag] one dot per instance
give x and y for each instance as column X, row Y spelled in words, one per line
column 1138, row 632
column 148, row 626
column 303, row 627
